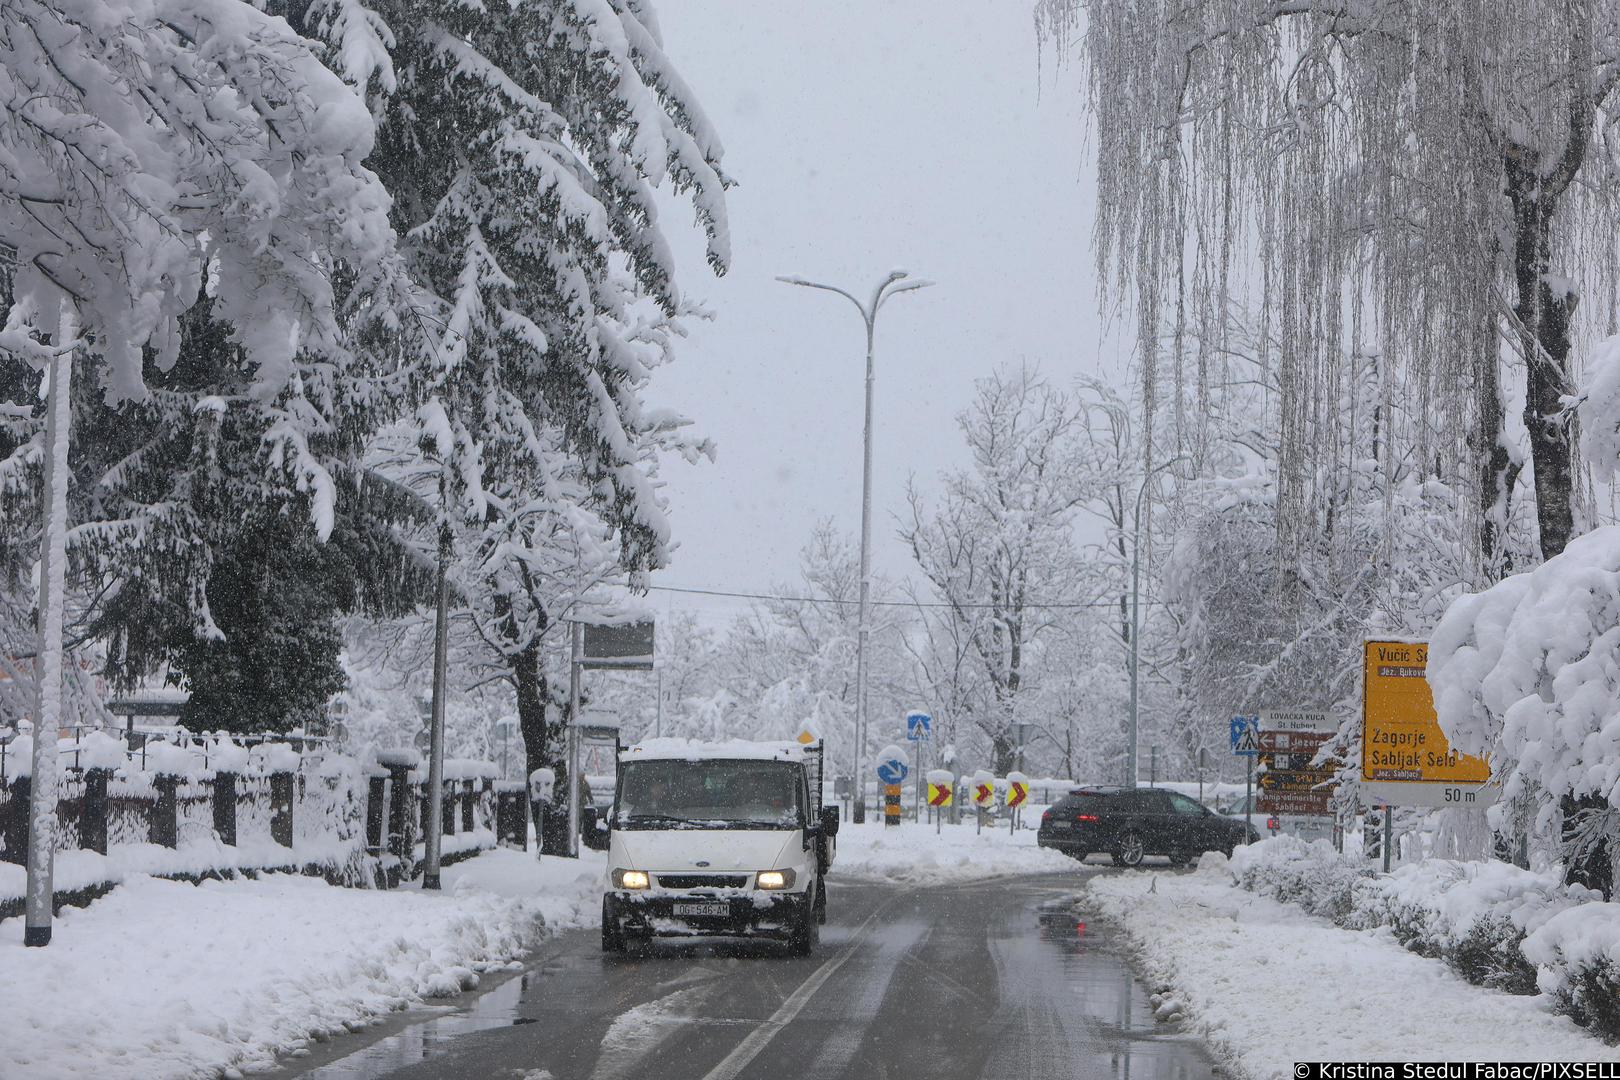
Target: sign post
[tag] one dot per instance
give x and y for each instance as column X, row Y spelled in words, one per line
column 983, row 786
column 941, row 787
column 919, row 730
column 592, row 647
column 891, row 770
column 1245, row 736
column 1017, row 793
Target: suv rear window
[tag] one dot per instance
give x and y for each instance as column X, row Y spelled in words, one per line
column 1089, row 803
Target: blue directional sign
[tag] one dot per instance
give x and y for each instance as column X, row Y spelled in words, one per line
column 919, row 726
column 1245, row 734
column 892, row 770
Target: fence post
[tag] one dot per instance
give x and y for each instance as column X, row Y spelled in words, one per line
column 375, row 787
column 467, row 798
column 281, row 808
column 511, row 815
column 16, row 820
column 225, row 807
column 399, row 816
column 164, row 828
column 93, row 825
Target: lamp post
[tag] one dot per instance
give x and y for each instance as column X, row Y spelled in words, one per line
column 1136, row 621
column 893, row 285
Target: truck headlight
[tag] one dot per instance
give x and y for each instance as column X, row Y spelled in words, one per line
column 630, row 879
column 776, row 879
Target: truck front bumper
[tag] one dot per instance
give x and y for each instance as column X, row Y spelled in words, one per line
column 746, row 913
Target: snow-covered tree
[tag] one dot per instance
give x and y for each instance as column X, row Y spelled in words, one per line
column 999, row 549
column 184, row 179
column 1420, row 177
column 522, row 143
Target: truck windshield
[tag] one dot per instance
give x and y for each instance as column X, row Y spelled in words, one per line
column 709, row 794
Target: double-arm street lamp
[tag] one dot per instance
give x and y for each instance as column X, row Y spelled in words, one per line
column 1136, row 620
column 893, row 285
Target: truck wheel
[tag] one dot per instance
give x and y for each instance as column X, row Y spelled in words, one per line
column 807, row 933
column 612, row 932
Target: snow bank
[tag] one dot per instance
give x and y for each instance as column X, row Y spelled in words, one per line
column 725, row 750
column 1496, row 925
column 913, row 854
column 193, row 980
column 1267, row 984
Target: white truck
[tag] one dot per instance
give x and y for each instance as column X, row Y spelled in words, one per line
column 718, row 839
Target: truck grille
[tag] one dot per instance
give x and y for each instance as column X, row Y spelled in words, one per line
column 703, row 881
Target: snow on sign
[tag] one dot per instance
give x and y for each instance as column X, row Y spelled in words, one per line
column 919, row 726
column 892, row 767
column 1405, row 759
column 1245, row 734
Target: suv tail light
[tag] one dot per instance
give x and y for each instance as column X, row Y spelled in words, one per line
column 1085, row 817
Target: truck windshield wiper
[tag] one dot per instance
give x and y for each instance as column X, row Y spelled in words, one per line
column 660, row 819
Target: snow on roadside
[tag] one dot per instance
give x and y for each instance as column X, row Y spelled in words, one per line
column 1269, row 985
column 912, row 854
column 166, row 979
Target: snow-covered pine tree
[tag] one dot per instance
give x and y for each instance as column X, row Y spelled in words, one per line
column 522, row 143
column 189, row 175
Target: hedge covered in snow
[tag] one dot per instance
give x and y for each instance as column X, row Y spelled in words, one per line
column 1496, row 925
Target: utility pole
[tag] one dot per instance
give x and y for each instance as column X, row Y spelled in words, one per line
column 576, row 645
column 441, row 634
column 892, row 285
column 49, row 662
column 1136, row 618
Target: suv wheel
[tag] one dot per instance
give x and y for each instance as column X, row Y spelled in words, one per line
column 1130, row 850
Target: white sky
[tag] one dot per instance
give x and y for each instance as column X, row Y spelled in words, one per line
column 866, row 135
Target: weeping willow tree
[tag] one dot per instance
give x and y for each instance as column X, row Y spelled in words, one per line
column 1427, row 181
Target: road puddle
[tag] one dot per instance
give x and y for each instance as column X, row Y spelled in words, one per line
column 422, row 1039
column 1102, row 992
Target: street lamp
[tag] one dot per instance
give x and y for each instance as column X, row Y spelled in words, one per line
column 893, row 285
column 1136, row 580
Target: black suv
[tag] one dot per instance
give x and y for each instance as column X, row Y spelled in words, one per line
column 1129, row 823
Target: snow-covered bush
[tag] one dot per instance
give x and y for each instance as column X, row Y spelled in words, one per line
column 1496, row 924
column 1312, row 875
column 1577, row 956
column 1528, row 671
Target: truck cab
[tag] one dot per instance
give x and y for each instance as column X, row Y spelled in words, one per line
column 725, row 839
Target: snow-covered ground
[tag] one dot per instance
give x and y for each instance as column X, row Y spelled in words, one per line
column 166, row 979
column 1268, row 985
column 912, row 854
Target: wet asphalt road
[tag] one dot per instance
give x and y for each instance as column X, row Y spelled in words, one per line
column 961, row 983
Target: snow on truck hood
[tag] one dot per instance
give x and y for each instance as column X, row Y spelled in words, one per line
column 660, row 850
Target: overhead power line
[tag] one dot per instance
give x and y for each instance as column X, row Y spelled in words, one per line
column 834, row 601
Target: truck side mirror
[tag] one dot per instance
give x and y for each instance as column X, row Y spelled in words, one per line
column 830, row 816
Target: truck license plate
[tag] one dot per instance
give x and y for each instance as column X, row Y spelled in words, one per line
column 720, row 909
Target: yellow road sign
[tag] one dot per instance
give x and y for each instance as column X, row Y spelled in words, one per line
column 940, row 794
column 1017, row 792
column 1401, row 740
